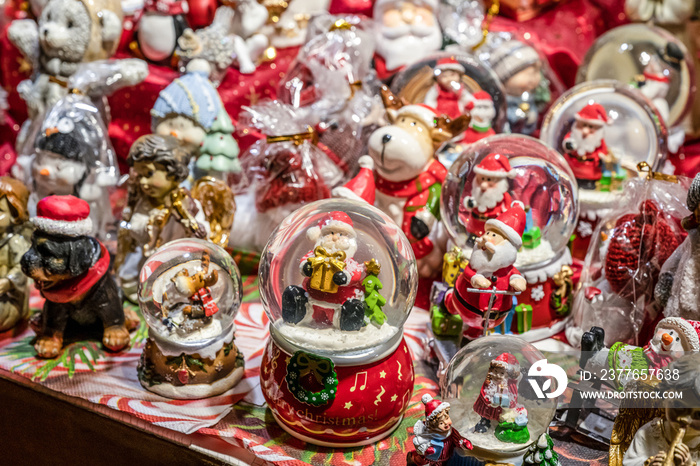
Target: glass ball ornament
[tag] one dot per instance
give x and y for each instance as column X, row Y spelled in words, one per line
column 190, row 273
column 522, row 415
column 308, row 311
column 464, row 74
column 539, row 177
column 648, row 57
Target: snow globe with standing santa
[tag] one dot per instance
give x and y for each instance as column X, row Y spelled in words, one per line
column 454, row 85
column 604, row 129
column 509, row 205
column 338, row 281
column 498, row 400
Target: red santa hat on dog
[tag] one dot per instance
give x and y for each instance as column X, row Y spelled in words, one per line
column 593, row 114
column 449, row 63
column 495, row 165
column 421, row 112
column 511, row 224
column 335, row 221
column 362, row 187
column 63, row 215
column 433, row 407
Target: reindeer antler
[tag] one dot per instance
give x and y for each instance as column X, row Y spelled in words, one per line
column 446, row 128
column 391, row 102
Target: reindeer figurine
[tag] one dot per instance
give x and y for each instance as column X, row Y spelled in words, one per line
column 191, row 296
column 403, row 178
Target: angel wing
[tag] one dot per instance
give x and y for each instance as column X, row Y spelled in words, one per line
column 219, row 207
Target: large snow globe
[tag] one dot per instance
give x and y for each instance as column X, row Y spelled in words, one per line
column 503, row 395
column 604, row 129
column 189, row 294
column 484, row 182
column 338, row 279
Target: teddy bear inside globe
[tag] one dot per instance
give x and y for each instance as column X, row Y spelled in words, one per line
column 337, row 291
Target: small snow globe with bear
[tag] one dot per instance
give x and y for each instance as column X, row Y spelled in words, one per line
column 189, row 294
column 503, row 395
column 338, row 279
column 486, row 180
column 604, row 129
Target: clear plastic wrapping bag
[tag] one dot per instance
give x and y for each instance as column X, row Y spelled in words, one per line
column 287, row 168
column 624, row 260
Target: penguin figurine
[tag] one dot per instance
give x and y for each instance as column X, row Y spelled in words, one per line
column 160, row 25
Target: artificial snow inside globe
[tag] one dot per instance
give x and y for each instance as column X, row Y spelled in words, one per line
column 604, row 129
column 492, row 387
column 189, row 294
column 338, row 279
column 522, row 190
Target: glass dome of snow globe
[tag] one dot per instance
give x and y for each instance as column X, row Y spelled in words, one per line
column 484, row 182
column 338, row 278
column 448, row 82
column 492, row 386
column 649, row 58
column 190, row 292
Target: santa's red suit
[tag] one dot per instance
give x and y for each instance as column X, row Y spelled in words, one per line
column 473, row 134
column 448, row 101
column 589, row 166
column 478, row 218
column 483, row 404
column 450, row 443
column 420, row 193
column 325, row 304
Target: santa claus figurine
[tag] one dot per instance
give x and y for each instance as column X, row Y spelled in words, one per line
column 490, row 196
column 448, row 95
column 482, row 112
column 407, row 31
column 332, row 292
column 498, row 398
column 585, row 148
column 673, row 338
column 483, row 293
column 436, row 441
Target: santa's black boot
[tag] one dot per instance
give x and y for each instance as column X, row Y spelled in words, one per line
column 352, row 315
column 591, row 342
column 482, row 426
column 294, row 304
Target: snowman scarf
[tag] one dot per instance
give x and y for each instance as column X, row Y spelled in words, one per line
column 208, row 303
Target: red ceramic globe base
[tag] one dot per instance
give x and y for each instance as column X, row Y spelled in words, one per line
column 365, row 405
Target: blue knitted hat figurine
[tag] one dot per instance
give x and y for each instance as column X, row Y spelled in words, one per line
column 191, row 96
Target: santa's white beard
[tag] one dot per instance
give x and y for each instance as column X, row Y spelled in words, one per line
column 482, row 116
column 654, row 89
column 344, row 244
column 491, row 197
column 486, row 262
column 589, row 144
column 406, row 44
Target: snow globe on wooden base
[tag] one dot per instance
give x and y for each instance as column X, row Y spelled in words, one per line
column 338, row 279
column 189, row 294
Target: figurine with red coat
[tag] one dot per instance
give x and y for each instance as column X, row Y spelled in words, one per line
column 490, row 196
column 402, row 177
column 332, row 292
column 436, row 441
column 448, row 95
column 498, row 401
column 584, row 146
column 482, row 112
column 490, row 268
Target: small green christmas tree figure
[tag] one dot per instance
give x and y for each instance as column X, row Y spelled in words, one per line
column 541, row 453
column 373, row 300
column 219, row 151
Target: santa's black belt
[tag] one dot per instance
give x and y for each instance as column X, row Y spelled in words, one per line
column 494, row 313
column 481, row 217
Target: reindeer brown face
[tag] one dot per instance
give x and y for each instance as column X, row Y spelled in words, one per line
column 402, row 150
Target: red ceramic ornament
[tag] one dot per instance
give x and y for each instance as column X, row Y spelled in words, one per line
column 366, row 405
